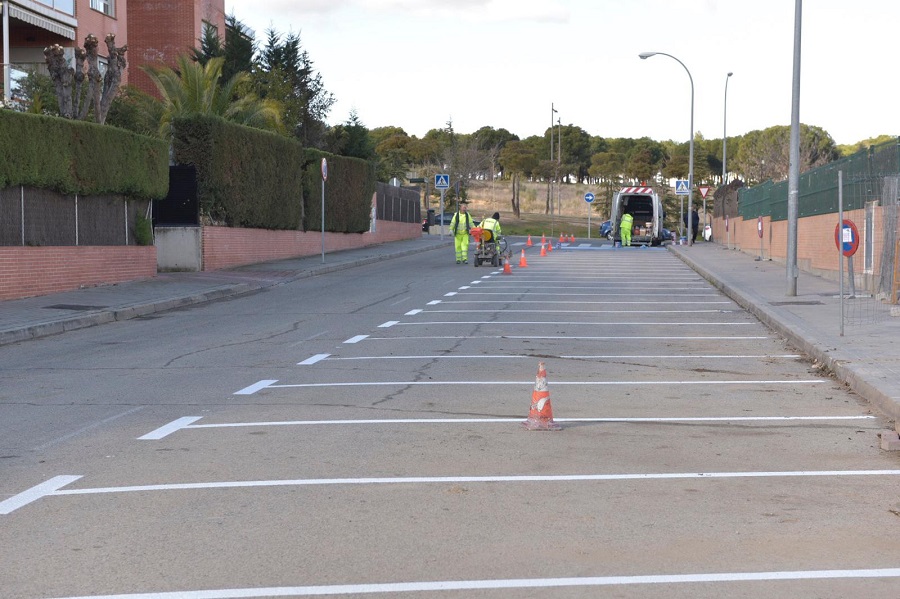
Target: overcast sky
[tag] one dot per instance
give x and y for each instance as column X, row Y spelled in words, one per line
column 416, row 64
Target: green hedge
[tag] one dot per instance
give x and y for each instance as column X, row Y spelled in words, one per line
column 80, row 157
column 246, row 177
column 348, row 193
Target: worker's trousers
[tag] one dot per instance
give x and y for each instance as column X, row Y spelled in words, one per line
column 626, row 236
column 462, row 247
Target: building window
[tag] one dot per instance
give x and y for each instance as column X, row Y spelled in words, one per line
column 107, row 7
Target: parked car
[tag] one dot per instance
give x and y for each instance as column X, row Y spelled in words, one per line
column 606, row 230
column 668, row 236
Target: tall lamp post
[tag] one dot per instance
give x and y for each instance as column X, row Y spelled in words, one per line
column 558, row 164
column 690, row 232
column 724, row 129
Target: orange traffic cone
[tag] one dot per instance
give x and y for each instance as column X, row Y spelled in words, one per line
column 540, row 416
column 543, row 250
column 561, row 238
column 522, row 262
column 506, row 269
column 549, row 247
column 543, row 239
column 528, row 243
column 572, row 239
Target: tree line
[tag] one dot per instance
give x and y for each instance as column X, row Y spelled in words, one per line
column 273, row 85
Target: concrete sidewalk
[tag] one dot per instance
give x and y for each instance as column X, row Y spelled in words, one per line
column 35, row 317
column 866, row 357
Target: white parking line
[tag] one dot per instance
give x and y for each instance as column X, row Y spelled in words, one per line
column 433, row 303
column 575, row 337
column 258, row 386
column 313, row 359
column 555, row 383
column 563, row 322
column 508, row 583
column 713, row 311
column 187, row 422
column 53, row 487
column 164, row 431
column 388, row 324
column 571, row 357
column 356, row 339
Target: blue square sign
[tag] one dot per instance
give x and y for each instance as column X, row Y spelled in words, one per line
column 442, row 181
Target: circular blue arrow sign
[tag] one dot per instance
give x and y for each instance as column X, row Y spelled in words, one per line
column 588, row 197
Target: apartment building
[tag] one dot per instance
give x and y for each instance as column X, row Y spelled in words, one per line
column 156, row 31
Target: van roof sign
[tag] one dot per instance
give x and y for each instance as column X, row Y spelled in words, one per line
column 636, row 190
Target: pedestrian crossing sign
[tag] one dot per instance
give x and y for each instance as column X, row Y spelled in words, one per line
column 442, row 181
column 682, row 188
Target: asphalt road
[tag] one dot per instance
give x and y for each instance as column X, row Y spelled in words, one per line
column 360, row 433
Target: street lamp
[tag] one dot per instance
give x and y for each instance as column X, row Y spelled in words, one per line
column 645, row 56
column 724, row 129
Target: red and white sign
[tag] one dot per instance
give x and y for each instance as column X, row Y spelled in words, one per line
column 759, row 227
column 636, row 190
column 324, row 170
column 704, row 189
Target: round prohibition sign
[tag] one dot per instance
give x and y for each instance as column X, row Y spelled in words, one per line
column 324, row 169
column 759, row 227
column 846, row 238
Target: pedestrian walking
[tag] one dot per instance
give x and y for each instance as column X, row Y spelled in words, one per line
column 459, row 227
column 625, row 228
column 695, row 224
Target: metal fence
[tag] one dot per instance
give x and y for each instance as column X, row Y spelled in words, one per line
column 397, row 204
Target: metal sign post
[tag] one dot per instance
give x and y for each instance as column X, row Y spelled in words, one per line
column 589, row 198
column 324, row 177
column 442, row 182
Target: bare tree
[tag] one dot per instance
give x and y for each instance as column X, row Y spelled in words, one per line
column 74, row 102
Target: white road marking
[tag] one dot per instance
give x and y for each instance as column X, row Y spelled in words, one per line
column 610, row 420
column 574, row 337
column 563, row 322
column 465, row 287
column 388, row 324
column 356, row 339
column 451, row 294
column 414, row 312
column 433, row 302
column 713, row 311
column 667, row 302
column 36, row 492
column 313, row 359
column 52, row 487
column 531, row 382
column 576, row 357
column 164, row 431
column 475, row 283
column 255, row 387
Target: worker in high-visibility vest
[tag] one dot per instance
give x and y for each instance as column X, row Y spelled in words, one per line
column 459, row 227
column 625, row 228
column 492, row 224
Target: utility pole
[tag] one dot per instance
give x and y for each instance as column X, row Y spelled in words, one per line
column 794, row 171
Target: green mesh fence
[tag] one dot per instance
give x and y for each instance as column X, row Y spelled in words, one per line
column 818, row 188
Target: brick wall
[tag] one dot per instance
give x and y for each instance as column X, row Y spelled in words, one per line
column 160, row 30
column 225, row 247
column 31, row 271
column 816, row 249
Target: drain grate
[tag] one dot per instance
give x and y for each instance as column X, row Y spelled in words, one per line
column 810, row 303
column 77, row 307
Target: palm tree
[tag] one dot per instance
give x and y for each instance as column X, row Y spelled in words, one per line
column 194, row 89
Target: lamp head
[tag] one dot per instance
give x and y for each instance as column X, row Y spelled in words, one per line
column 646, row 55
column 730, row 74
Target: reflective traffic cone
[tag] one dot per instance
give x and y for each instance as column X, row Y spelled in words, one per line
column 561, row 238
column 543, row 250
column 528, row 243
column 540, row 416
column 543, row 239
column 506, row 269
column 549, row 247
column 572, row 239
column 522, row 262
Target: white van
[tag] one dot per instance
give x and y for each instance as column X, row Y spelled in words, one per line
column 645, row 206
